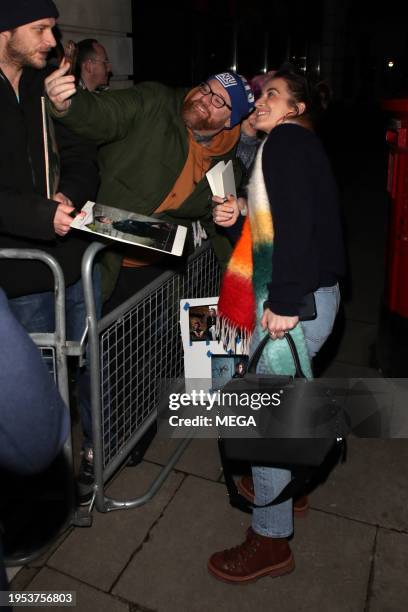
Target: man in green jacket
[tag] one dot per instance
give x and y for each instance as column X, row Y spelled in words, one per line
column 156, row 144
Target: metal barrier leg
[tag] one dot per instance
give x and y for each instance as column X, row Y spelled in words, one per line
column 112, row 504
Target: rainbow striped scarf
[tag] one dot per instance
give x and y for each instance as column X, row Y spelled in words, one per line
column 244, row 284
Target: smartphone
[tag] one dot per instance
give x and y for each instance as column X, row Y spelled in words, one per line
column 71, row 54
column 307, row 311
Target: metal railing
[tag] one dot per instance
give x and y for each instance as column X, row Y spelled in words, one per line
column 135, row 353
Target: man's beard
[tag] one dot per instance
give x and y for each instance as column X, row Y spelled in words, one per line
column 19, row 56
column 195, row 121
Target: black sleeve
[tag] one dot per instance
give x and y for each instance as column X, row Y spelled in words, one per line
column 27, row 215
column 79, row 169
column 30, row 215
column 234, row 232
column 290, row 187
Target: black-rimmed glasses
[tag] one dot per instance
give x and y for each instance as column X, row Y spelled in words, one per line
column 216, row 100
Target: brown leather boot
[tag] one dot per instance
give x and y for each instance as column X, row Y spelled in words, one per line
column 258, row 556
column 246, row 487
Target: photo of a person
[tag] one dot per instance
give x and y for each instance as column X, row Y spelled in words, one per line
column 225, row 367
column 103, row 219
column 211, row 323
column 206, row 317
column 196, row 333
column 134, row 229
column 157, row 231
column 145, row 229
column 240, row 370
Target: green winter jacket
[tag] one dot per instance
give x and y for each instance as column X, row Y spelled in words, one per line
column 143, row 148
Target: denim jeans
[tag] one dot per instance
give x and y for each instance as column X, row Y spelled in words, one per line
column 317, row 331
column 277, row 521
column 36, row 313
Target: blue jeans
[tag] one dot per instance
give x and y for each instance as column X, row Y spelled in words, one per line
column 36, row 313
column 277, row 521
column 317, row 331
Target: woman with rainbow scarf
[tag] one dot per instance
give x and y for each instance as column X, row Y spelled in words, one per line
column 291, row 246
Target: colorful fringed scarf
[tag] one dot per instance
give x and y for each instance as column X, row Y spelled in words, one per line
column 244, row 285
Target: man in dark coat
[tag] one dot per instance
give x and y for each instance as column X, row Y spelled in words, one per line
column 32, row 215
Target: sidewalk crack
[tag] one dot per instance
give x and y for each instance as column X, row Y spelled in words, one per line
column 371, row 574
column 147, row 536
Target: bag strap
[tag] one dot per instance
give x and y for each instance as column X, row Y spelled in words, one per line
column 253, row 362
column 304, row 478
column 293, row 489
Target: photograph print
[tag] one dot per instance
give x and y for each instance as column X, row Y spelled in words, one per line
column 132, row 228
column 226, row 367
column 202, row 323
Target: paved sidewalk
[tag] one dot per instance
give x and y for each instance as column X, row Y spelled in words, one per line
column 351, row 550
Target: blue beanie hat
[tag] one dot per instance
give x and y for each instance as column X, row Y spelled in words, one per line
column 16, row 13
column 240, row 92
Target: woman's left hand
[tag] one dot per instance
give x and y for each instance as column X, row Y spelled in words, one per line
column 277, row 325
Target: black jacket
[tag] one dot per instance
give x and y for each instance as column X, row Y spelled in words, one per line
column 308, row 250
column 26, row 215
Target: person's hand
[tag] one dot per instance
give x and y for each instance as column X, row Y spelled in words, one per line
column 62, row 199
column 62, row 217
column 225, row 212
column 277, row 325
column 248, row 126
column 60, row 86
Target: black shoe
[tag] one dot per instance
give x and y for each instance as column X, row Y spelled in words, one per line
column 138, row 452
column 86, row 480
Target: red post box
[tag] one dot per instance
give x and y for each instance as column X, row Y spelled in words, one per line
column 396, row 289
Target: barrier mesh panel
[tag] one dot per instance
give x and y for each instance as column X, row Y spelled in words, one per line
column 142, row 350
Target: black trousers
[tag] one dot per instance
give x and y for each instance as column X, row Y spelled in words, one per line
column 130, row 281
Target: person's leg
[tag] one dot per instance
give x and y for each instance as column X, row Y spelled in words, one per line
column 75, row 305
column 76, row 322
column 265, row 551
column 35, row 312
column 273, row 521
column 318, row 330
column 130, row 282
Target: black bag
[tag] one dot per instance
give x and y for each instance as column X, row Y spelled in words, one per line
column 307, row 410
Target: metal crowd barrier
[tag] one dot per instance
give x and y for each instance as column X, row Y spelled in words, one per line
column 54, row 349
column 134, row 352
